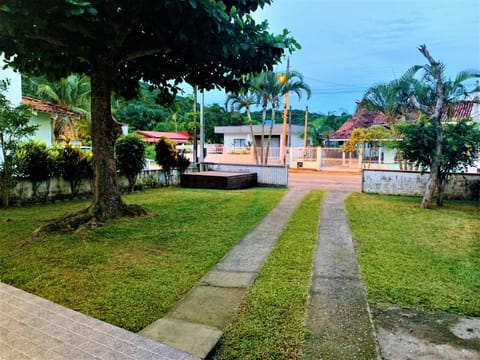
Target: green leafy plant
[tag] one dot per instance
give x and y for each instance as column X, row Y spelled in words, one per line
column 37, row 165
column 460, row 146
column 14, row 126
column 166, row 156
column 130, row 154
column 76, row 166
column 182, row 162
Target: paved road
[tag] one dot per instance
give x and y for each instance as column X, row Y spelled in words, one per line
column 331, row 180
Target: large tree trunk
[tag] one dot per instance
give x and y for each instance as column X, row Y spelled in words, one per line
column 107, row 203
column 436, row 117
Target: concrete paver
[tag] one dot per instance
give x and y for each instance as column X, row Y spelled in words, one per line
column 35, row 328
column 337, row 314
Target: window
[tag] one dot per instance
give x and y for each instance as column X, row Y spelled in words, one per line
column 239, row 143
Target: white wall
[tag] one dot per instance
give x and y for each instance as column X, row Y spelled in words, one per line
column 266, row 175
column 44, row 132
column 475, row 114
column 410, row 183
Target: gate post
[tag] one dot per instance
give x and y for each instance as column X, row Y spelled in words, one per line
column 319, row 158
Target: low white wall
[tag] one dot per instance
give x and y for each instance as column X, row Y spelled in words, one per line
column 266, row 175
column 60, row 188
column 412, row 183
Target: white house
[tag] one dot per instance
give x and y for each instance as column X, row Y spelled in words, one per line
column 45, row 115
column 239, row 137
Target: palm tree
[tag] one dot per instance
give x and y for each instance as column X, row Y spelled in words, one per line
column 434, row 96
column 393, row 100
column 292, row 81
column 244, row 101
column 267, row 89
column 270, row 87
column 425, row 89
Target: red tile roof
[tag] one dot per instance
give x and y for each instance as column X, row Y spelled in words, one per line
column 460, row 110
column 154, row 136
column 361, row 119
column 43, row 106
column 364, row 119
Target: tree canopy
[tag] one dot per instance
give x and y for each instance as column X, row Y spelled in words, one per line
column 117, row 43
column 202, row 42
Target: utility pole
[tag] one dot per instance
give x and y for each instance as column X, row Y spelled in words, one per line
column 283, row 142
column 305, row 130
column 195, row 142
column 202, row 128
column 290, row 126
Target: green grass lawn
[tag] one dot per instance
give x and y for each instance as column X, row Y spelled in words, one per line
column 270, row 324
column 417, row 258
column 129, row 272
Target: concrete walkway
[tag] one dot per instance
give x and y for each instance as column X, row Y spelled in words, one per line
column 337, row 315
column 198, row 321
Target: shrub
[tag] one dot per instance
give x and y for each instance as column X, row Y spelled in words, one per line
column 130, row 154
column 166, row 156
column 76, row 166
column 37, row 165
column 182, row 162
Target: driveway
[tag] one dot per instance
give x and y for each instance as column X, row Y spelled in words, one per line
column 330, row 180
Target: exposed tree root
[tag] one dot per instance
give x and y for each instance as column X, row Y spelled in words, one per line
column 85, row 219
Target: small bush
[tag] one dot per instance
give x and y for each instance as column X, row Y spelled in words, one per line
column 36, row 165
column 130, row 154
column 166, row 156
column 76, row 166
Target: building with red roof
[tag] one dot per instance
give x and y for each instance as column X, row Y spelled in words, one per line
column 180, row 137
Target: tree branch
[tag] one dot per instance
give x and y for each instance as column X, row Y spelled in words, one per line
column 140, row 54
column 424, row 109
column 49, row 40
column 437, row 73
column 56, row 42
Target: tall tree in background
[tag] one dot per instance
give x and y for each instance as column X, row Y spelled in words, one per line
column 393, row 100
column 270, row 87
column 245, row 101
column 117, row 43
column 424, row 89
column 290, row 81
column 322, row 126
column 433, row 96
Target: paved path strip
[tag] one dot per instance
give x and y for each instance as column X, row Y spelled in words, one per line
column 337, row 314
column 35, row 328
column 198, row 321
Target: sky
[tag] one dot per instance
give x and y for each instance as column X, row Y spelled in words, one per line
column 349, row 46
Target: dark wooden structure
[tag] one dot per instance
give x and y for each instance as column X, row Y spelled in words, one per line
column 218, row 180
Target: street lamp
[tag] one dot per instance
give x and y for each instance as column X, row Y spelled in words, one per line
column 283, row 78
